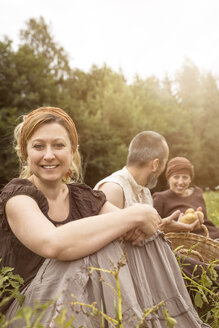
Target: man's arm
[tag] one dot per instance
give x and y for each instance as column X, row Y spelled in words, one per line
column 114, row 193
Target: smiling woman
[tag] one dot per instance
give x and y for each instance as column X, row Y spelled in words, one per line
column 28, row 139
column 53, row 229
column 182, row 196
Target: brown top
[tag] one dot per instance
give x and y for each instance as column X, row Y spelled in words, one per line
column 84, row 202
column 166, row 202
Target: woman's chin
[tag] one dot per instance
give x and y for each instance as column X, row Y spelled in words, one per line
column 179, row 192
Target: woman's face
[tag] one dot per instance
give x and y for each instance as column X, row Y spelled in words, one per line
column 49, row 152
column 179, row 183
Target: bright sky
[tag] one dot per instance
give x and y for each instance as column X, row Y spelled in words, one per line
column 147, row 37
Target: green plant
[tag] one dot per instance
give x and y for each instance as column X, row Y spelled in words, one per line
column 10, row 284
column 203, row 289
column 32, row 315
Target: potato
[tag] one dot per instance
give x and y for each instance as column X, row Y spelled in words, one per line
column 190, row 210
column 188, row 218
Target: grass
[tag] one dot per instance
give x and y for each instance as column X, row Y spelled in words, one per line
column 212, row 203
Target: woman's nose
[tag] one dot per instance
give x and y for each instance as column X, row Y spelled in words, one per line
column 180, row 181
column 49, row 154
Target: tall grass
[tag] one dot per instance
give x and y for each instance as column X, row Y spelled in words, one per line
column 212, row 203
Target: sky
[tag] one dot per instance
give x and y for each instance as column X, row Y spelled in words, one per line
column 144, row 37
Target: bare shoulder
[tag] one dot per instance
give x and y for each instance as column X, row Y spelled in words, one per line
column 29, row 224
column 21, row 208
column 114, row 193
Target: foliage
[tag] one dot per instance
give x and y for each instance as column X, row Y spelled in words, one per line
column 32, row 316
column 10, row 284
column 108, row 111
column 212, row 203
column 203, row 289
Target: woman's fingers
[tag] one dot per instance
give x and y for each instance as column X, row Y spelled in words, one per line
column 129, row 235
column 188, row 227
column 200, row 216
column 196, row 224
column 141, row 236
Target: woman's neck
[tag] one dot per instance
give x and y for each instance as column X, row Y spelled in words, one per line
column 50, row 190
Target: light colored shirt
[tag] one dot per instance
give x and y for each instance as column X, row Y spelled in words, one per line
column 133, row 192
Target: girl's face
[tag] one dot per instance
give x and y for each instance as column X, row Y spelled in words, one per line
column 179, row 183
column 49, row 152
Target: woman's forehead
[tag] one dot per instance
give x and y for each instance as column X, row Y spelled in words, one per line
column 50, row 130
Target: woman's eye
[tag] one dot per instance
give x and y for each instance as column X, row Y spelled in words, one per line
column 59, row 145
column 38, row 146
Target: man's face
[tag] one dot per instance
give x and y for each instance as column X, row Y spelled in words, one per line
column 153, row 177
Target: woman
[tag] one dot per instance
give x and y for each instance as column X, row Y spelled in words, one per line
column 52, row 230
column 181, row 196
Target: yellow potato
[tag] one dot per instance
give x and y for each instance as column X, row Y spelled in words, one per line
column 190, row 210
column 188, row 218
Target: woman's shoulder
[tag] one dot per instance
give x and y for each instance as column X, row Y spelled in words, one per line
column 162, row 194
column 197, row 190
column 89, row 201
column 82, row 189
column 18, row 186
column 79, row 186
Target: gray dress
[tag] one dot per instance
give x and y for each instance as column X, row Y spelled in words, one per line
column 150, row 275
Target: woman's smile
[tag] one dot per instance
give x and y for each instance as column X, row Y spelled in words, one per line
column 179, row 183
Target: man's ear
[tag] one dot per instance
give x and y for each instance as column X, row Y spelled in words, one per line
column 155, row 163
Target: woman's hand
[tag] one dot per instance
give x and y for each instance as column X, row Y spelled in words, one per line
column 135, row 235
column 150, row 220
column 200, row 217
column 150, row 224
column 191, row 216
column 169, row 224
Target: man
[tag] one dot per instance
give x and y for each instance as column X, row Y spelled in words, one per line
column 147, row 158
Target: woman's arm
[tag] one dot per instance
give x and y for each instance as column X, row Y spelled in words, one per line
column 78, row 238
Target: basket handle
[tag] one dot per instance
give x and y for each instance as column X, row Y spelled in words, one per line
column 205, row 230
column 187, row 252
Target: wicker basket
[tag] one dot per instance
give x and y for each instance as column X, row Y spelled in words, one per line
column 196, row 246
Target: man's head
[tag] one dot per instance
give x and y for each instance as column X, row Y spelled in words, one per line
column 148, row 148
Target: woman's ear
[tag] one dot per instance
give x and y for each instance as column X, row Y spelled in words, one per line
column 155, row 164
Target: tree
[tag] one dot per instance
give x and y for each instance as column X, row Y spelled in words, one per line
column 29, row 78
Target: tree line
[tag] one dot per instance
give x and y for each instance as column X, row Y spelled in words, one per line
column 107, row 110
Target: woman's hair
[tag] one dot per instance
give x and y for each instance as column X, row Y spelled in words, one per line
column 31, row 122
column 146, row 146
column 179, row 165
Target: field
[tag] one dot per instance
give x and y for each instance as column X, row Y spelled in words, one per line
column 212, row 202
